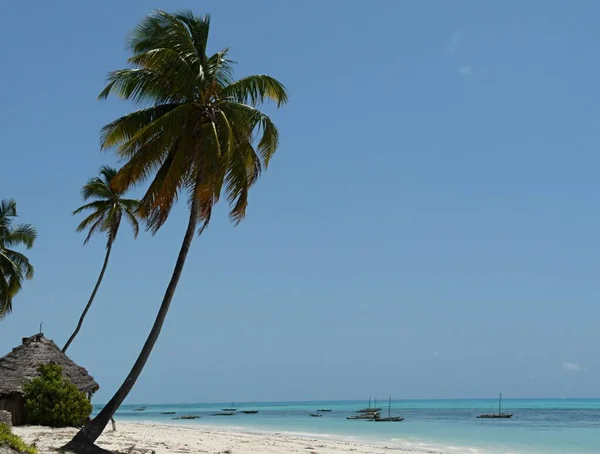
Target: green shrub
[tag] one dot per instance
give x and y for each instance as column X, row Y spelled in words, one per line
column 10, row 439
column 50, row 400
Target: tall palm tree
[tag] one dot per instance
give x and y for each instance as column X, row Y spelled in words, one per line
column 14, row 266
column 107, row 210
column 199, row 134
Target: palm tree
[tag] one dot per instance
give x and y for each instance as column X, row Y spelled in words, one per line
column 107, row 210
column 199, row 134
column 14, row 266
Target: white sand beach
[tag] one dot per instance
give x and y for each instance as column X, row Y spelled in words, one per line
column 147, row 438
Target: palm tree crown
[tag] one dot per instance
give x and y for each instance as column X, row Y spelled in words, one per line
column 14, row 266
column 202, row 133
column 108, row 208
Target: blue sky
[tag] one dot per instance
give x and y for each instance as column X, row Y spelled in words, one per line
column 429, row 227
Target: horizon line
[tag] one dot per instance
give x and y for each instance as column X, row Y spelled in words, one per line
column 353, row 400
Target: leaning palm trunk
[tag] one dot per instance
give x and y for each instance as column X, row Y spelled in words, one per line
column 90, row 433
column 91, row 300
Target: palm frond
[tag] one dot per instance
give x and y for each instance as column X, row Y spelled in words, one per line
column 255, row 90
column 95, row 228
column 140, row 85
column 14, row 266
column 198, row 28
column 8, row 209
column 176, row 76
column 130, row 204
column 162, row 30
column 5, row 299
column 95, row 188
column 10, row 285
column 107, row 173
column 124, row 128
column 219, row 69
column 133, row 222
column 97, row 205
column 89, row 220
column 20, row 234
column 160, row 131
column 268, row 143
column 161, row 195
column 20, row 262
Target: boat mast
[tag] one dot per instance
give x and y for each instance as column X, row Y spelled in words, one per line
column 390, row 407
column 500, row 405
column 369, row 401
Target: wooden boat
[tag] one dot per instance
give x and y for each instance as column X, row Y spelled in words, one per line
column 369, row 409
column 224, row 413
column 249, row 412
column 498, row 415
column 229, row 409
column 316, row 415
column 188, row 417
column 390, row 418
column 365, row 416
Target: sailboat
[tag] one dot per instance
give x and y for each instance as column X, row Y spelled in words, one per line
column 498, row 415
column 229, row 409
column 369, row 413
column 369, row 409
column 390, row 418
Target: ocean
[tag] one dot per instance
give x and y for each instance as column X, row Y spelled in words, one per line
column 567, row 426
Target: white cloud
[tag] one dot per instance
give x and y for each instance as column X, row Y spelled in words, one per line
column 454, row 40
column 572, row 367
column 465, row 70
column 531, row 376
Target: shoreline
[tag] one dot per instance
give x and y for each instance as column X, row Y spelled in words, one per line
column 149, row 437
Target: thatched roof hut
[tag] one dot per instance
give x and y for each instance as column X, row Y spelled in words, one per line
column 21, row 364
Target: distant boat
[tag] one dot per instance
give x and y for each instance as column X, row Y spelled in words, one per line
column 323, row 410
column 188, row 417
column 390, row 418
column 168, row 412
column 369, row 409
column 367, row 416
column 224, row 413
column 139, row 409
column 229, row 409
column 249, row 412
column 498, row 415
column 371, row 416
column 316, row 415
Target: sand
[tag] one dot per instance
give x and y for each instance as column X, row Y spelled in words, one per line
column 147, row 438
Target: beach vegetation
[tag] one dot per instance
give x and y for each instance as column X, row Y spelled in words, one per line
column 106, row 209
column 7, row 438
column 198, row 133
column 51, row 400
column 14, row 265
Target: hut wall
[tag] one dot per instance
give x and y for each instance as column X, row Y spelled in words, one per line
column 15, row 404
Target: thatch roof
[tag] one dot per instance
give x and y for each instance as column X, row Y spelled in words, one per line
column 21, row 365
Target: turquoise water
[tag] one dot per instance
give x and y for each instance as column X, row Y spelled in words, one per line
column 434, row 426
